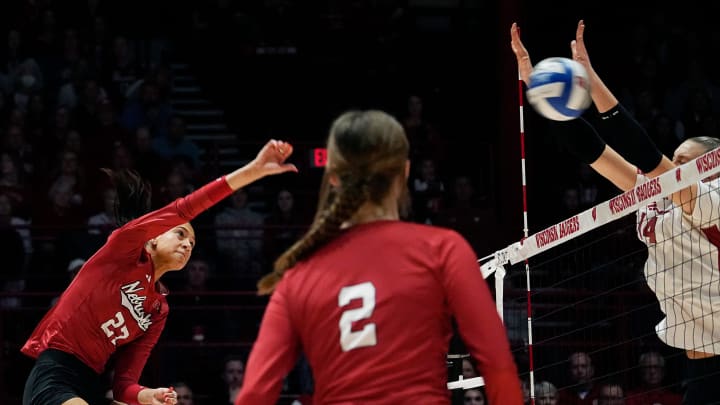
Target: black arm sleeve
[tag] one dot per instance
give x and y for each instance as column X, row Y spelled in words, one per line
column 579, row 138
column 624, row 134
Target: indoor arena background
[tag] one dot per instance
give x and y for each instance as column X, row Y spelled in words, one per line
column 87, row 84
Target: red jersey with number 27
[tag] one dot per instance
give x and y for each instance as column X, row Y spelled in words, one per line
column 113, row 305
column 372, row 312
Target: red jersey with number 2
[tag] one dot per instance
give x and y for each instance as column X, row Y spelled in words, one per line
column 372, row 312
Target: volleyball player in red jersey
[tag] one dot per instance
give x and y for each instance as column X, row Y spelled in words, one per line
column 116, row 304
column 369, row 298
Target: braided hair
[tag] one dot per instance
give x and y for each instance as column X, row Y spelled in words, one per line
column 367, row 150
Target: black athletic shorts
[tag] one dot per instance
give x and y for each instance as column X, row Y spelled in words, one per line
column 58, row 376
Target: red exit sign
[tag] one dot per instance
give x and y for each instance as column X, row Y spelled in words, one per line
column 318, row 157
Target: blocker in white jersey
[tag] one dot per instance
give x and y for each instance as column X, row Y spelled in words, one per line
column 682, row 268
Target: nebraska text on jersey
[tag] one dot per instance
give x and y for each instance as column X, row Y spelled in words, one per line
column 134, row 303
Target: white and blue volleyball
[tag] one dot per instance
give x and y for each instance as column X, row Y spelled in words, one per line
column 559, row 89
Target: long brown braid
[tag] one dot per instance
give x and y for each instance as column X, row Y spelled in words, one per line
column 367, row 150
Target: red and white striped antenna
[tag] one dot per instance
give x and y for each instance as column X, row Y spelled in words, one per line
column 531, row 363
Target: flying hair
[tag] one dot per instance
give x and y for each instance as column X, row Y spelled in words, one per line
column 133, row 194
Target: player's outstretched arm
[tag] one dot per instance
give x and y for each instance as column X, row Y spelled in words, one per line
column 619, row 128
column 270, row 160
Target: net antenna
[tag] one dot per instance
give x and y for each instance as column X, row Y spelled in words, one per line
column 495, row 263
column 499, row 258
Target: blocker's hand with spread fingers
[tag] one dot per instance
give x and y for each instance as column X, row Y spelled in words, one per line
column 579, row 52
column 523, row 57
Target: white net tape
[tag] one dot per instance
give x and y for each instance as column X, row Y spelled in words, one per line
column 652, row 190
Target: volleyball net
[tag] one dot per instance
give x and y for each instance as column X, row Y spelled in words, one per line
column 591, row 293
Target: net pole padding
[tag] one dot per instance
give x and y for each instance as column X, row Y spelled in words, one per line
column 466, row 383
column 461, row 382
column 649, row 191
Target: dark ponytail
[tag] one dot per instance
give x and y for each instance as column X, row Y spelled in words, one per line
column 133, row 195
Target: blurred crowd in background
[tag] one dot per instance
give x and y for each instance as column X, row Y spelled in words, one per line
column 185, row 91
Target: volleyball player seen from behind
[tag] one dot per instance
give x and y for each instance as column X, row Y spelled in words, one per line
column 681, row 232
column 369, row 298
column 116, row 304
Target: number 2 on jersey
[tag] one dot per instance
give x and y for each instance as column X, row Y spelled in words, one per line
column 366, row 336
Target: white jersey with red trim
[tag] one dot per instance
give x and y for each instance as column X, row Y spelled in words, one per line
column 682, row 268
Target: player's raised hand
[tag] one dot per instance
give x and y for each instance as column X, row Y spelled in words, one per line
column 271, row 158
column 578, row 49
column 521, row 54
